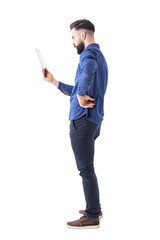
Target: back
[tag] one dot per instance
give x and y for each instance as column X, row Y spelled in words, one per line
column 98, row 87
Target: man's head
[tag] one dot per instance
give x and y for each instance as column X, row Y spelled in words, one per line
column 82, row 34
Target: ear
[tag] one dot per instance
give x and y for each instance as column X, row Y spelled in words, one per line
column 83, row 35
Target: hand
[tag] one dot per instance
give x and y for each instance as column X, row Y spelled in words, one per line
column 84, row 101
column 47, row 76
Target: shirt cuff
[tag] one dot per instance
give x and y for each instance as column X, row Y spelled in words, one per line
column 60, row 86
column 81, row 92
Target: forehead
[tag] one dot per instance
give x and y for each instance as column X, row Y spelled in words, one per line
column 74, row 32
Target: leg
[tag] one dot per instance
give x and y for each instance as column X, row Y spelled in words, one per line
column 83, row 134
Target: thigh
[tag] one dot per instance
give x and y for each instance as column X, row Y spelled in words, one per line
column 82, row 141
column 83, row 149
column 84, row 128
column 83, row 146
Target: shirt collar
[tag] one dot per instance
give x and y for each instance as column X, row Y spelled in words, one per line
column 92, row 45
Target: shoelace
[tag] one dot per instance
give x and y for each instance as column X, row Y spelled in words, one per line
column 83, row 218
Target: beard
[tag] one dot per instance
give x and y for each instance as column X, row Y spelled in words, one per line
column 80, row 48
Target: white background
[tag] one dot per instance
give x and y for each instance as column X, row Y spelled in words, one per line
column 40, row 189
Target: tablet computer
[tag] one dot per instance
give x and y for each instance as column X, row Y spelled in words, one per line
column 41, row 59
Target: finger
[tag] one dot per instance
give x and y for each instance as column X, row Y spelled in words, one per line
column 43, row 71
column 44, row 74
column 91, row 99
column 89, row 105
column 46, row 70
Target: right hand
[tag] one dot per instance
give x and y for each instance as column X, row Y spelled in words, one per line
column 48, row 76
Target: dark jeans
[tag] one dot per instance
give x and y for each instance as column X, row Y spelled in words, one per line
column 83, row 134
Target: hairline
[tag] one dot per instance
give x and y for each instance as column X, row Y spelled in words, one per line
column 90, row 33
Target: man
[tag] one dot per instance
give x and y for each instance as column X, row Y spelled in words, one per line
column 86, row 114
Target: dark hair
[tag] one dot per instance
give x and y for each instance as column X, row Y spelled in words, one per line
column 83, row 24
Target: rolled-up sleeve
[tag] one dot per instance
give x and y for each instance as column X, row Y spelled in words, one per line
column 87, row 73
column 65, row 88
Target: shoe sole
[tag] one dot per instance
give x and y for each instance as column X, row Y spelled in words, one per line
column 84, row 227
column 100, row 217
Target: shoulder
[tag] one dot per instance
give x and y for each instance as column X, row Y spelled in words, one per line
column 87, row 54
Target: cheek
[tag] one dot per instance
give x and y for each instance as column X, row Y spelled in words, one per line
column 77, row 41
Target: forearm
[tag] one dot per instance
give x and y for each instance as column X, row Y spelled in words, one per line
column 65, row 88
column 47, row 76
column 55, row 82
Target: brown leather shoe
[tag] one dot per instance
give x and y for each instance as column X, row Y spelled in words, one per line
column 82, row 213
column 84, row 223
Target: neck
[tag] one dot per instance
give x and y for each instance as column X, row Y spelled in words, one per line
column 88, row 42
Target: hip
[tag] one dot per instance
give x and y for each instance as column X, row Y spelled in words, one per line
column 84, row 127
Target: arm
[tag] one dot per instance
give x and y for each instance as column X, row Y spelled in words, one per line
column 65, row 88
column 84, row 101
column 87, row 73
column 49, row 77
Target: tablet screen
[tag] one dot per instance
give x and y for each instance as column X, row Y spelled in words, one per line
column 40, row 58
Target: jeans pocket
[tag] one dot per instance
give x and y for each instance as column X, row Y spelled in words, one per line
column 74, row 125
column 72, row 128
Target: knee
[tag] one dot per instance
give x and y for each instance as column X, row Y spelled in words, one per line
column 87, row 171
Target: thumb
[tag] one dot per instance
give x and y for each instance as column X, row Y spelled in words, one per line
column 46, row 70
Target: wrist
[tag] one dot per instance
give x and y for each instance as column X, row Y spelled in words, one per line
column 55, row 82
column 80, row 96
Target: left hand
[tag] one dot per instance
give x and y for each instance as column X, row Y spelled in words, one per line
column 84, row 101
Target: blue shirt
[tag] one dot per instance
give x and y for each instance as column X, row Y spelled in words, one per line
column 91, row 79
